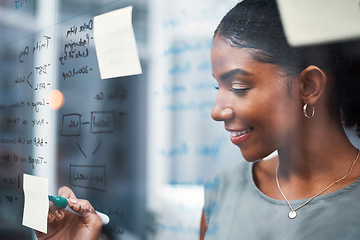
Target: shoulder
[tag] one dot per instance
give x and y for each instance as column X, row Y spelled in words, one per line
column 236, row 173
column 223, row 186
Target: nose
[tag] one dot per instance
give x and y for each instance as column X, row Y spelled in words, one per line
column 221, row 112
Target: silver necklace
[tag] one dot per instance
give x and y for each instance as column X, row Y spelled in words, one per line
column 292, row 213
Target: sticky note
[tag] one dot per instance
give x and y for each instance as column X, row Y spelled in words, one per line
column 312, row 22
column 36, row 204
column 115, row 44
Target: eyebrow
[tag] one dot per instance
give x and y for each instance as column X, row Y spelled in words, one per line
column 234, row 72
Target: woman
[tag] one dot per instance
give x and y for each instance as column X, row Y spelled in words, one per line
column 293, row 100
column 272, row 97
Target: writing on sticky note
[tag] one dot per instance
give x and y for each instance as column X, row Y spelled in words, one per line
column 36, row 204
column 311, row 22
column 115, row 44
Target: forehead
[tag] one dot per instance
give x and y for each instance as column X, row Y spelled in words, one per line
column 227, row 59
column 225, row 56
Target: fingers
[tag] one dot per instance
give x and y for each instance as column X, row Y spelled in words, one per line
column 86, row 210
column 51, row 217
column 61, row 220
column 80, row 206
column 55, row 214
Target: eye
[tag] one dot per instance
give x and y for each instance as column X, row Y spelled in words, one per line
column 216, row 88
column 239, row 90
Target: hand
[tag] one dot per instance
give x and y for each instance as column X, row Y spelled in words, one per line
column 63, row 224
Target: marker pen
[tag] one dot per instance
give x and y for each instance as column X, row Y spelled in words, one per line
column 62, row 203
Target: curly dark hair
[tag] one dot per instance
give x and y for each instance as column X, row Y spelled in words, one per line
column 257, row 24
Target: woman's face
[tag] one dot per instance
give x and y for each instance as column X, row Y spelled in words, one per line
column 254, row 101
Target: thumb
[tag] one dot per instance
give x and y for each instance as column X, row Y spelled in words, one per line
column 66, row 192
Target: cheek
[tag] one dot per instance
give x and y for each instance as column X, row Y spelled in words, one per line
column 275, row 111
column 283, row 120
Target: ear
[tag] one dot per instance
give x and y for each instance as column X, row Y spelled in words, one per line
column 313, row 83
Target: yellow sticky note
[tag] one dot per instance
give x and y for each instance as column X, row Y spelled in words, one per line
column 36, row 204
column 311, row 22
column 115, row 44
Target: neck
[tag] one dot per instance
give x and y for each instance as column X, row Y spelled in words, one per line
column 317, row 158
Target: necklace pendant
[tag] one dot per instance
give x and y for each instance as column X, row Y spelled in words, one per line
column 292, row 214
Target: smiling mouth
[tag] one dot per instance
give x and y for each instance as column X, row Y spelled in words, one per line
column 239, row 133
column 237, row 137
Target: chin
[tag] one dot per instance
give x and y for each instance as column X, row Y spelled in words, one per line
column 249, row 157
column 253, row 156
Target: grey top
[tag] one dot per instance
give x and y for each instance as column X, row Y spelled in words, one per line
column 236, row 209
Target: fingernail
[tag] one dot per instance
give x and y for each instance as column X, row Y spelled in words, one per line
column 58, row 215
column 73, row 200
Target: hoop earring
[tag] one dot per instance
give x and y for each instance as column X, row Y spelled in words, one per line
column 305, row 111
